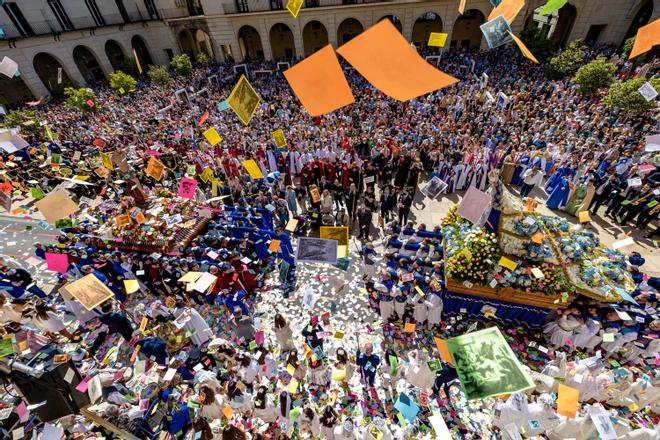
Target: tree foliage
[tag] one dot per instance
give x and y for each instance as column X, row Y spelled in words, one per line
column 122, row 83
column 202, row 58
column 625, row 95
column 567, row 61
column 538, row 43
column 181, row 64
column 26, row 120
column 129, row 66
column 81, row 98
column 594, row 75
column 159, row 74
column 627, row 47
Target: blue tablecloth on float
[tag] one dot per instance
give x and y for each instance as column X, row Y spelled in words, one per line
column 506, row 311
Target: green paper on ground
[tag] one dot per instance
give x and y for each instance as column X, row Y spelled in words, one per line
column 393, row 365
column 486, row 365
column 552, row 6
column 6, row 347
column 37, row 193
column 608, row 337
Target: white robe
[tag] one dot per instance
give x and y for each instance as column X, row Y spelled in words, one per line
column 435, row 307
column 462, row 178
column 202, row 330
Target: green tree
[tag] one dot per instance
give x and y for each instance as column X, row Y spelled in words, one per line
column 159, row 74
column 594, row 75
column 181, row 64
column 122, row 83
column 567, row 61
column 538, row 43
column 625, row 95
column 81, row 98
column 202, row 58
column 26, row 120
column 627, row 47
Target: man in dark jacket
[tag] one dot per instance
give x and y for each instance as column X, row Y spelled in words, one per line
column 364, row 221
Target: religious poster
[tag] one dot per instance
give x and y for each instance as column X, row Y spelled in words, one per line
column 280, row 140
column 339, row 233
column 496, row 32
column 56, row 205
column 155, row 168
column 244, row 100
column 486, row 364
column 316, row 250
column 433, row 187
column 88, row 290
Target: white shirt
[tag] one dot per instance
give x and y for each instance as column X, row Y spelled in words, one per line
column 533, row 177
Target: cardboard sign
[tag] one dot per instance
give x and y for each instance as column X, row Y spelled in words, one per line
column 57, row 262
column 187, row 188
column 244, row 100
column 89, row 291
column 155, row 168
column 212, row 136
column 316, row 197
column 437, row 39
column 253, row 169
column 280, row 140
column 56, row 205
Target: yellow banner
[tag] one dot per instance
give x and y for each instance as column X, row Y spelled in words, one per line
column 243, row 100
column 253, row 169
column 437, row 39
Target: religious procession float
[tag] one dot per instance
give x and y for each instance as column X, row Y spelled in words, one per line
column 520, row 264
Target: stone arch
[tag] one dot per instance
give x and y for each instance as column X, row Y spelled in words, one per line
column 14, row 90
column 466, row 32
column 46, row 66
column 140, row 46
column 249, row 41
column 565, row 22
column 348, row 29
column 186, row 42
column 425, row 24
column 396, row 21
column 115, row 53
column 88, row 64
column 315, row 37
column 641, row 18
column 204, row 43
column 281, row 42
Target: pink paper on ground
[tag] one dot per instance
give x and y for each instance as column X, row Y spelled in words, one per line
column 22, row 411
column 473, row 205
column 259, row 337
column 82, row 386
column 57, row 262
column 187, row 188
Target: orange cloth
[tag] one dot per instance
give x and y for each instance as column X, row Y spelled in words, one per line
column 647, row 37
column 319, row 83
column 508, row 8
column 384, row 57
column 526, row 52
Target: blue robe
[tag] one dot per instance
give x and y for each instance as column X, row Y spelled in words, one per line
column 559, row 195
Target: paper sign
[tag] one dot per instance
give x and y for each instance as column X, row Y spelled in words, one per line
column 538, row 273
column 107, row 161
column 56, row 205
column 608, row 337
column 253, row 169
column 437, row 422
column 57, row 262
column 409, row 327
column 291, row 225
column 319, row 83
column 8, row 67
column 212, row 136
column 187, row 188
column 508, row 8
column 406, row 407
column 293, row 385
column 190, row 277
column 583, row 216
column 525, row 51
column 204, row 282
column 623, row 315
column 505, row 262
column 473, row 205
column 6, row 347
column 293, row 6
column 89, row 291
column 280, row 140
column 243, row 100
column 604, row 425
column 444, row 350
column 387, row 60
column 131, row 286
column 155, row 168
column 123, row 220
column 647, row 37
column 228, row 411
column 274, row 246
column 567, row 401
column 648, row 91
column 623, row 243
column 538, row 238
column 437, row 39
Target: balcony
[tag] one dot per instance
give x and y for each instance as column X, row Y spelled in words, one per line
column 247, row 6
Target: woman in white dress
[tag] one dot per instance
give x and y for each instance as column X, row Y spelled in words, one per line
column 202, row 332
column 263, row 405
column 420, row 374
column 420, row 311
column 212, row 403
column 283, row 333
column 435, row 307
column 309, row 421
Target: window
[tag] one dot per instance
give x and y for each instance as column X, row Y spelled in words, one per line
column 242, row 6
column 122, row 11
column 276, row 5
column 311, row 4
column 151, row 9
column 61, row 15
column 17, row 17
column 94, row 11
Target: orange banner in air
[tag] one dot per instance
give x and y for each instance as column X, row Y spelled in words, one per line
column 384, row 57
column 526, row 52
column 647, row 37
column 319, row 83
column 509, row 8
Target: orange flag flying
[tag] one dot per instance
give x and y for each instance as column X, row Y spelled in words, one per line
column 319, row 83
column 508, row 8
column 529, row 55
column 461, row 7
column 647, row 37
column 384, row 57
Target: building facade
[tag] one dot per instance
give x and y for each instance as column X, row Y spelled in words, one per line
column 88, row 39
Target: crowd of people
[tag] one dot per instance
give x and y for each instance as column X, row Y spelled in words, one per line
column 221, row 362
